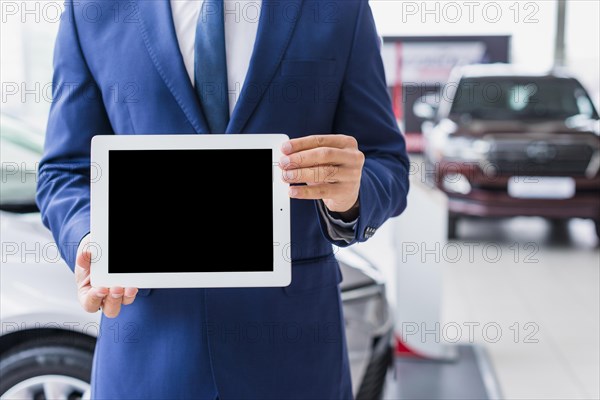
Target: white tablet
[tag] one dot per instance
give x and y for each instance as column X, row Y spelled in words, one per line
column 174, row 211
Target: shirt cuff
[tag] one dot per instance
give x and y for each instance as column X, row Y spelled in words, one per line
column 336, row 228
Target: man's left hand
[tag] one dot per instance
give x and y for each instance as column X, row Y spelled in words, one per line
column 330, row 166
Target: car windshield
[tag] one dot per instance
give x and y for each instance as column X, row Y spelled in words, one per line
column 513, row 98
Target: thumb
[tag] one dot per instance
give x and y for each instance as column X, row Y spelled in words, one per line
column 84, row 255
column 84, row 259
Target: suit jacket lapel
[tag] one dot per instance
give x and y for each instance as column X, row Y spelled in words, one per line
column 274, row 32
column 158, row 31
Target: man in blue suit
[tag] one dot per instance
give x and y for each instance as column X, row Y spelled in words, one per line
column 306, row 68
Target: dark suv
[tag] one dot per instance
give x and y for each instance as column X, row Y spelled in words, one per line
column 507, row 142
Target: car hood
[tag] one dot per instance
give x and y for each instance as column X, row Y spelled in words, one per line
column 479, row 128
column 28, row 228
column 23, row 228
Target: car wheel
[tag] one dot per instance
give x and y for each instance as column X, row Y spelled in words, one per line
column 452, row 227
column 373, row 382
column 46, row 369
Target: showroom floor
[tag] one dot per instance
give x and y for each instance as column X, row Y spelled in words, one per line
column 536, row 288
column 464, row 379
column 557, row 292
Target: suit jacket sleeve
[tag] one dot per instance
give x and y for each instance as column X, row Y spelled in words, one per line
column 76, row 115
column 365, row 112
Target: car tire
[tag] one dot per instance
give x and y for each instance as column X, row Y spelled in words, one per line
column 37, row 366
column 452, row 227
column 373, row 382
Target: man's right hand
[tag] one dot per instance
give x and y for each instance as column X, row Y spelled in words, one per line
column 94, row 298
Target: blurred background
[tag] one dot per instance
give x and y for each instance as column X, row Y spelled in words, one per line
column 491, row 276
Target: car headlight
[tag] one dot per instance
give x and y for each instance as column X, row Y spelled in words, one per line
column 456, row 183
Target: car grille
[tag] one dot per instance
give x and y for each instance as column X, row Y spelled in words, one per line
column 540, row 158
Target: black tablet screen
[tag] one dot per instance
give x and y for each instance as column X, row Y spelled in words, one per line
column 190, row 211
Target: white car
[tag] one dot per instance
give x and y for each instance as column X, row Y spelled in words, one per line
column 47, row 341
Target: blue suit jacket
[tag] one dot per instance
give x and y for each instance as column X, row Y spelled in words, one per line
column 316, row 68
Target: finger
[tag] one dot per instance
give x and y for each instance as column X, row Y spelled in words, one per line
column 319, row 174
column 315, row 141
column 315, row 192
column 314, row 157
column 112, row 302
column 92, row 299
column 129, row 295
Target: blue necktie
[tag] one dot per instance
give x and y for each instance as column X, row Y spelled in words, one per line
column 210, row 65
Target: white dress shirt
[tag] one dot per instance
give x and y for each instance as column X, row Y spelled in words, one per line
column 241, row 27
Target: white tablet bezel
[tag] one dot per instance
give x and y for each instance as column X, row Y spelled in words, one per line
column 100, row 175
